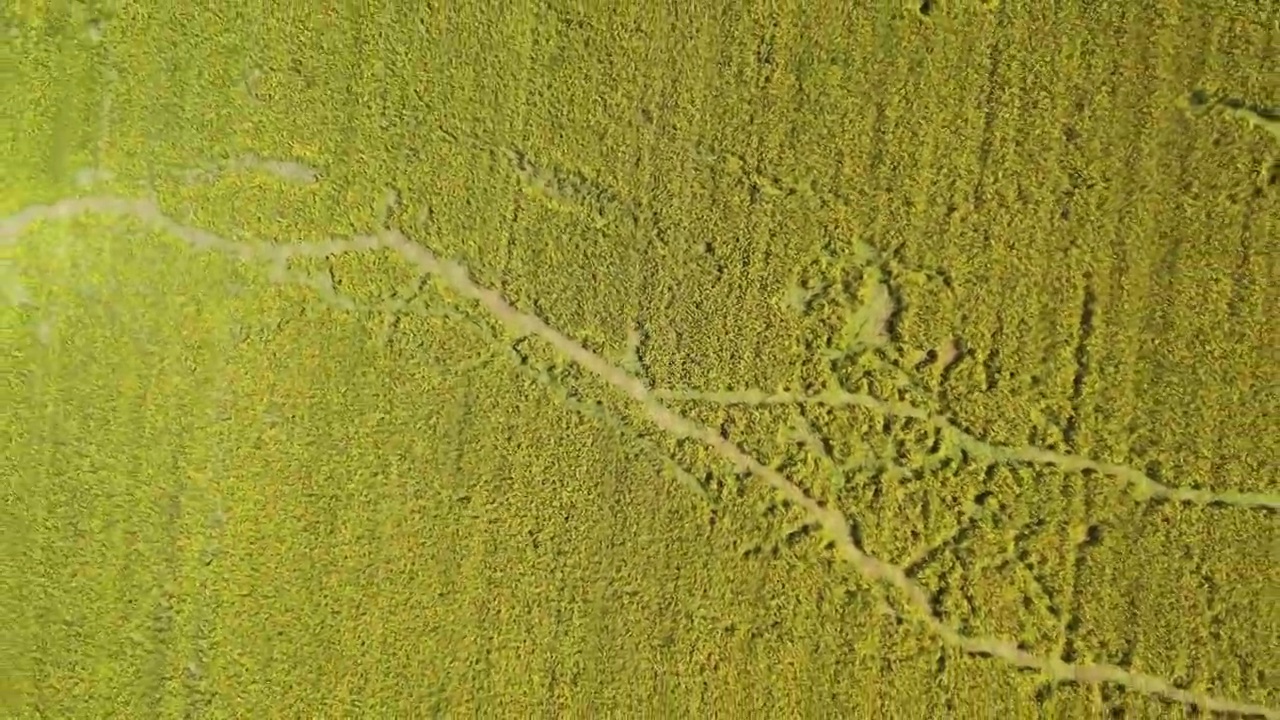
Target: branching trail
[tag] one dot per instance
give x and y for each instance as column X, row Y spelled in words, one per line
column 833, row 522
column 1143, row 486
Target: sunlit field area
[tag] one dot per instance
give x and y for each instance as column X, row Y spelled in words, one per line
column 640, row 359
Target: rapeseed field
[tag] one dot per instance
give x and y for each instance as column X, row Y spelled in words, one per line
column 640, row 359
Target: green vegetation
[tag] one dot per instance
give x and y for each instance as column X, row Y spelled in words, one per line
column 755, row 361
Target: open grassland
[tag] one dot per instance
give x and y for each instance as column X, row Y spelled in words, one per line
column 659, row 359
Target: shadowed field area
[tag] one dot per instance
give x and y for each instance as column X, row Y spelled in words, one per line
column 661, row 359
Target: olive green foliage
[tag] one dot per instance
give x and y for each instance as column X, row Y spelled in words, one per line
column 993, row 284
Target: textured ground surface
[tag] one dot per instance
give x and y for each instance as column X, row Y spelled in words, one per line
column 913, row 362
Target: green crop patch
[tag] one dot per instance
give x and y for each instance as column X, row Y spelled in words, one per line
column 658, row 359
